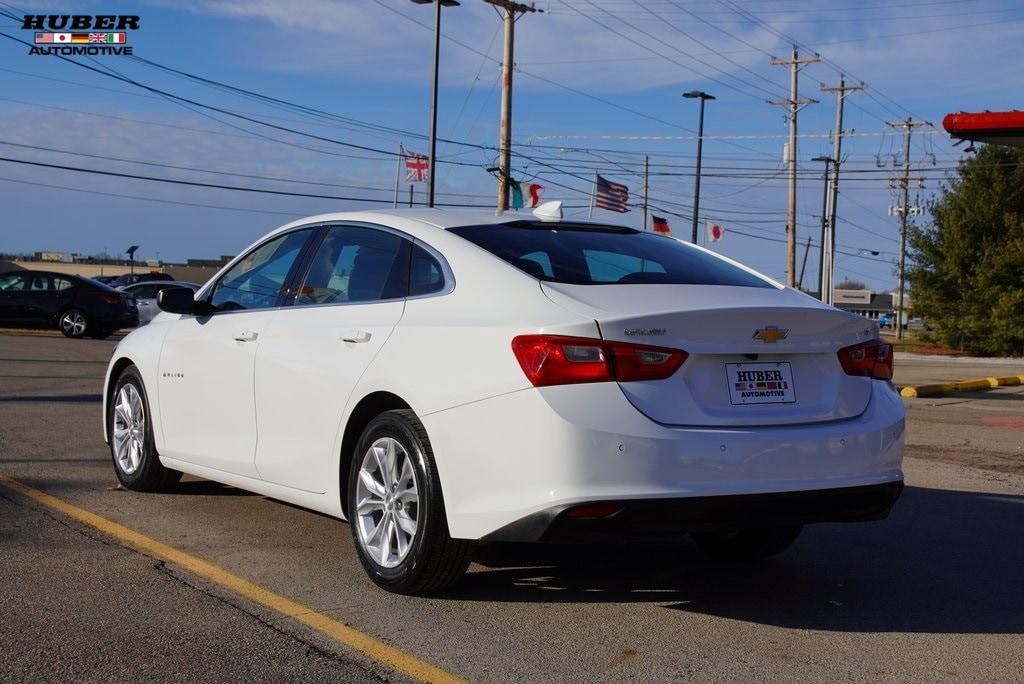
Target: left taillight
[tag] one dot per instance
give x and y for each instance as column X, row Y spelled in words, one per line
column 872, row 359
column 113, row 298
column 563, row 360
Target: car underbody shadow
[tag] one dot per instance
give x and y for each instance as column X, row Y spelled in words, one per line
column 944, row 562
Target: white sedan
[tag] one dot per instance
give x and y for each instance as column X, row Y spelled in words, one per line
column 442, row 379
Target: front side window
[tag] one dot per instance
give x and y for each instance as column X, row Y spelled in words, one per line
column 12, row 282
column 356, row 264
column 584, row 254
column 257, row 280
column 146, row 291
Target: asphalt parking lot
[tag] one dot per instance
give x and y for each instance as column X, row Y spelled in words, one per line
column 934, row 592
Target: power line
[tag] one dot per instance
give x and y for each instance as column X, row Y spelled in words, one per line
column 199, row 184
column 669, row 58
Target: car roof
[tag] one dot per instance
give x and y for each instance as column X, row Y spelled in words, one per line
column 436, row 218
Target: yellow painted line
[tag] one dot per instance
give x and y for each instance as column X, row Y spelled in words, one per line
column 343, row 634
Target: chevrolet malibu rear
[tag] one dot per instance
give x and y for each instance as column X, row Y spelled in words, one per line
column 704, row 399
column 442, row 379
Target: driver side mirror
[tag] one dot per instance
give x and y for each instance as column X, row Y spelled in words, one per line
column 181, row 300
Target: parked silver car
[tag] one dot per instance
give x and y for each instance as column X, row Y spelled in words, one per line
column 144, row 295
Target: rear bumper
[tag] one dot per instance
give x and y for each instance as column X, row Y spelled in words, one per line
column 509, row 457
column 647, row 520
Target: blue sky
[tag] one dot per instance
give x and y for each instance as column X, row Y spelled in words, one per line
column 597, row 87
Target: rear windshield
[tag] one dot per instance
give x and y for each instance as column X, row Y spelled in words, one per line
column 589, row 255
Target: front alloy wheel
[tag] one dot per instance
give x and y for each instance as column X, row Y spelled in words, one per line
column 129, row 434
column 132, row 448
column 387, row 502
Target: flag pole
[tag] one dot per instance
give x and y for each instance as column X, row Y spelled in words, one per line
column 398, row 171
column 593, row 196
column 646, row 159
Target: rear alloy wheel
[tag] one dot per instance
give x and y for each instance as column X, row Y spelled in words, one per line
column 746, row 545
column 136, row 463
column 73, row 323
column 396, row 510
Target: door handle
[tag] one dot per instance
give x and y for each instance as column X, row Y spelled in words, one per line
column 246, row 336
column 356, row 336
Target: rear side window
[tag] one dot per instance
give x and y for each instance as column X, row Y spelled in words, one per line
column 355, row 264
column 599, row 255
column 425, row 273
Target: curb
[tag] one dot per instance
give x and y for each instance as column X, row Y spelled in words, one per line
column 962, row 386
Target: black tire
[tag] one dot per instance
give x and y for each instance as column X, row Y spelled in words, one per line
column 746, row 545
column 435, row 561
column 150, row 475
column 73, row 323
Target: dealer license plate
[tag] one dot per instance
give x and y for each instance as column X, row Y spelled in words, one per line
column 760, row 383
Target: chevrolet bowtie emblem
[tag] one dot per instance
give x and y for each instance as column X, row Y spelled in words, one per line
column 770, row 334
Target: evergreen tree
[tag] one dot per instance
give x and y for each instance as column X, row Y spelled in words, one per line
column 967, row 277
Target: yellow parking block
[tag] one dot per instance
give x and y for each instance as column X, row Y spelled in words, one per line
column 962, row 386
column 926, row 390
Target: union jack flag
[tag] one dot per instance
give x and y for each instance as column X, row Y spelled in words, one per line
column 97, row 37
column 415, row 167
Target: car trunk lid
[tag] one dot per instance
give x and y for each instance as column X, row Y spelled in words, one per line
column 757, row 356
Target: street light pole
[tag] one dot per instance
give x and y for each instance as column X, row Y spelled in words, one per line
column 433, row 95
column 700, row 94
column 823, row 282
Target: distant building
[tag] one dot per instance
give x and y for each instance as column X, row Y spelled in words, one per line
column 62, row 257
column 867, row 303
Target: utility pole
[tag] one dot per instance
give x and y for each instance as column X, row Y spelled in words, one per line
column 700, row 144
column 908, row 125
column 795, row 104
column 509, row 11
column 824, row 280
column 841, row 91
column 646, row 162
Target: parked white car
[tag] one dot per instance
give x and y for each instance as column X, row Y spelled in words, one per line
column 442, row 378
column 145, row 293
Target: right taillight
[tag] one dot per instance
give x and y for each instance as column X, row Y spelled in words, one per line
column 871, row 359
column 562, row 360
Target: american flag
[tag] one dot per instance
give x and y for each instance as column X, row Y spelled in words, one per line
column 415, row 167
column 611, row 196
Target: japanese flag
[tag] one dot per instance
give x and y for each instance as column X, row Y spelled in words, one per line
column 714, row 230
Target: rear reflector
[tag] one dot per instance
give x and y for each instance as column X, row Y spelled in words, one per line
column 872, row 359
column 562, row 360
